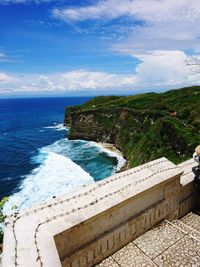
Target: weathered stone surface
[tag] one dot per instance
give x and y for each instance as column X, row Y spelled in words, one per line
column 188, row 174
column 192, row 220
column 132, row 256
column 109, row 262
column 189, row 196
column 168, row 244
column 187, row 229
column 183, row 253
column 99, row 220
column 158, row 239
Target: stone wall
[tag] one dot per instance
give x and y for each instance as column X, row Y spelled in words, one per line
column 82, row 228
column 101, row 235
column 189, row 193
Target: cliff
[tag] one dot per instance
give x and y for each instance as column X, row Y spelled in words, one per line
column 144, row 127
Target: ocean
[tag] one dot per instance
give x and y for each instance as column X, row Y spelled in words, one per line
column 37, row 161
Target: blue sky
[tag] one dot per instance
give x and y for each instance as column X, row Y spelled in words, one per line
column 40, row 43
column 97, row 47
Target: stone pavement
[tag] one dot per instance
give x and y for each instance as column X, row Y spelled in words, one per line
column 175, row 243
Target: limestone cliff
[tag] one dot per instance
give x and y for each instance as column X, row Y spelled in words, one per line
column 143, row 127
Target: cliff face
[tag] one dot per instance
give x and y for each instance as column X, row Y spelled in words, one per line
column 90, row 126
column 143, row 133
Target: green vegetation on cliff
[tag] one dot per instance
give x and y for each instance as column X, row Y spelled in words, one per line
column 144, row 127
column 2, row 217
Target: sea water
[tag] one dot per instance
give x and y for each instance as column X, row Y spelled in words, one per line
column 37, row 161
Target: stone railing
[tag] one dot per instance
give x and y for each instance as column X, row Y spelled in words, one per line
column 189, row 192
column 126, row 213
column 84, row 227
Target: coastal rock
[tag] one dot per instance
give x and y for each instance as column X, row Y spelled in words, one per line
column 140, row 126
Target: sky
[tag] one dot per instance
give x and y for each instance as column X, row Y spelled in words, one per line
column 71, row 47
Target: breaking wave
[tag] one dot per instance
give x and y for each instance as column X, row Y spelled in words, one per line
column 57, row 127
column 63, row 166
column 55, row 176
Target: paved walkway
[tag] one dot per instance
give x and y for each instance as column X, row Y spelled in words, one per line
column 170, row 244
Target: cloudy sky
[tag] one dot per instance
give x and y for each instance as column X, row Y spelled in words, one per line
column 97, row 47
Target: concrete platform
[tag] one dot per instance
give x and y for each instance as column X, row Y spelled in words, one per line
column 165, row 245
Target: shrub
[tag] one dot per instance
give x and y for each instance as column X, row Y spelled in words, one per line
column 2, row 217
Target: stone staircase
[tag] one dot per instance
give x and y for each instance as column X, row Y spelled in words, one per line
column 175, row 243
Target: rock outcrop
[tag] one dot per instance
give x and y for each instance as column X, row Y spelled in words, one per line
column 141, row 126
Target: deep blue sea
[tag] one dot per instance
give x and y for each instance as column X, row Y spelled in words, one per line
column 37, row 161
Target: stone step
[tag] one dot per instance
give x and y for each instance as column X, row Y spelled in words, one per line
column 158, row 239
column 187, row 229
column 167, row 244
column 143, row 250
column 185, row 253
column 192, row 220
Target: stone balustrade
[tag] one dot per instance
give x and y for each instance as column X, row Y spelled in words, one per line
column 84, row 227
column 189, row 195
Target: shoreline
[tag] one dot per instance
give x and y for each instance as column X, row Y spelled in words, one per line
column 111, row 147
column 122, row 163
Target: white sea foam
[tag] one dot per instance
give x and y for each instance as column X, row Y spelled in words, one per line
column 58, row 146
column 121, row 161
column 56, row 176
column 63, row 144
column 57, row 127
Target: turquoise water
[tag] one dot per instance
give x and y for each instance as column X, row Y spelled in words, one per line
column 37, row 161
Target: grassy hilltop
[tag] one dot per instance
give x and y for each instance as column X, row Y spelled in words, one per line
column 144, row 127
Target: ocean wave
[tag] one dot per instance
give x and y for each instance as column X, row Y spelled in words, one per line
column 120, row 160
column 56, row 176
column 57, row 127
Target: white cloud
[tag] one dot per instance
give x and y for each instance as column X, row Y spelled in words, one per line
column 78, row 80
column 148, row 10
column 165, row 24
column 168, row 29
column 157, row 69
column 162, row 36
column 96, row 80
column 165, row 68
column 101, row 10
column 4, row 78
